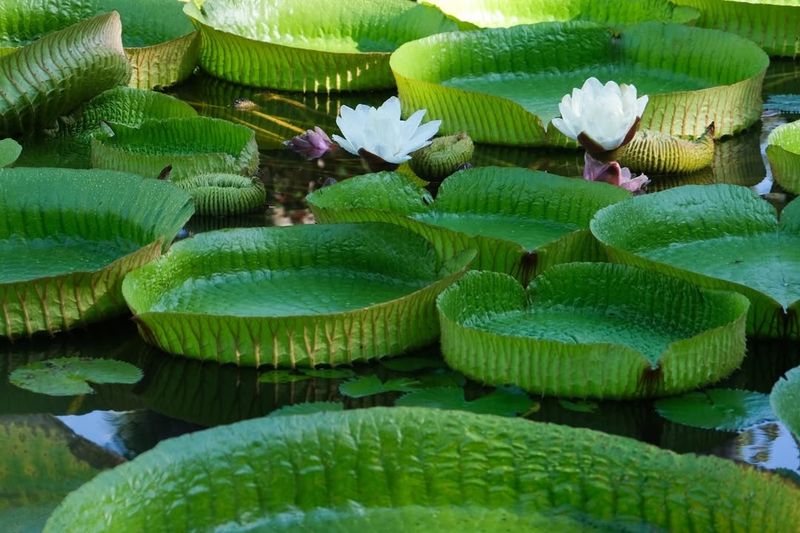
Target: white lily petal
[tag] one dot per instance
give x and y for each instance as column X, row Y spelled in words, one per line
column 344, row 144
column 564, row 128
column 423, row 133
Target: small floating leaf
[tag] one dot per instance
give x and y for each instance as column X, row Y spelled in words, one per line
column 68, row 376
column 578, row 407
column 328, row 373
column 308, row 408
column 785, row 399
column 441, row 378
column 721, row 409
column 282, row 376
column 372, row 385
column 412, row 364
column 502, row 401
column 9, row 152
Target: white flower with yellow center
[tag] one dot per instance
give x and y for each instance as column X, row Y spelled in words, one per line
column 600, row 117
column 382, row 133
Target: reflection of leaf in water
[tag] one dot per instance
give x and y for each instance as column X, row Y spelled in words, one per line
column 308, row 408
column 328, row 373
column 784, row 103
column 502, row 401
column 41, row 462
column 69, row 376
column 721, row 409
column 372, row 385
column 282, row 376
column 579, row 407
column 412, row 364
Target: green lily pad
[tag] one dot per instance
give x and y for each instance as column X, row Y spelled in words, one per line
column 191, row 146
column 718, row 236
column 312, row 46
column 297, row 296
column 68, row 237
column 158, row 38
column 510, row 91
column 221, row 194
column 772, row 24
column 501, row 402
column 783, row 153
column 721, row 409
column 9, row 152
column 70, row 146
column 89, row 59
column 592, row 330
column 505, row 13
column 372, row 385
column 785, row 399
column 308, row 408
column 69, row 376
column 520, row 221
column 366, row 464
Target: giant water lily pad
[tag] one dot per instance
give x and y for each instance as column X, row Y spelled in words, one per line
column 772, row 24
column 311, row 46
column 505, row 13
column 68, row 237
column 298, row 296
column 393, row 469
column 509, row 92
column 783, row 153
column 191, row 146
column 57, row 73
column 592, row 330
column 158, row 38
column 520, row 221
column 785, row 399
column 719, row 236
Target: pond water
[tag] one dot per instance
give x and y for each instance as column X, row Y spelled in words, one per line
column 178, row 395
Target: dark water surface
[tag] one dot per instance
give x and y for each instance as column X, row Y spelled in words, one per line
column 179, row 395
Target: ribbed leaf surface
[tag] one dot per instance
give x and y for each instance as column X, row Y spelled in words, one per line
column 57, row 73
column 297, row 296
column 158, row 38
column 382, row 467
column 772, row 24
column 505, row 13
column 67, row 238
column 520, row 221
column 503, row 86
column 719, row 236
column 225, row 194
column 312, row 46
column 192, row 146
column 592, row 330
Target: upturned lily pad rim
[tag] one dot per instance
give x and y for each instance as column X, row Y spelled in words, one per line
column 458, row 262
column 792, row 210
column 724, row 329
column 420, row 82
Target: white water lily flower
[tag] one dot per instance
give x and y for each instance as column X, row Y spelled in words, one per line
column 600, row 117
column 382, row 133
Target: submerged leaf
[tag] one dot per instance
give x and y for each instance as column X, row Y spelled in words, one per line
column 308, row 408
column 502, row 401
column 328, row 373
column 721, row 409
column 412, row 364
column 372, row 385
column 69, row 376
column 578, row 407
